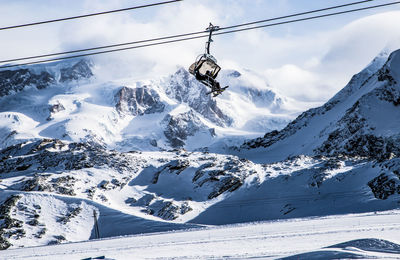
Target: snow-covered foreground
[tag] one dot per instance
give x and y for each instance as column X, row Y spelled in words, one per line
column 347, row 236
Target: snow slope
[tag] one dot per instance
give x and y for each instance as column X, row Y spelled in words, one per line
column 155, row 191
column 71, row 146
column 372, row 235
column 361, row 120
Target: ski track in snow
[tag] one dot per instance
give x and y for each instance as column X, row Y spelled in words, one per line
column 267, row 240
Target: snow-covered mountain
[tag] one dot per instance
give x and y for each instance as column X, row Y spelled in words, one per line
column 74, row 147
column 361, row 120
column 66, row 101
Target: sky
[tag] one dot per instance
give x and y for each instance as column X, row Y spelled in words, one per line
column 308, row 61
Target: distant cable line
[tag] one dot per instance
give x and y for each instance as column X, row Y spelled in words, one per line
column 310, row 18
column 181, row 35
column 87, row 15
column 104, row 47
column 298, row 14
column 191, row 38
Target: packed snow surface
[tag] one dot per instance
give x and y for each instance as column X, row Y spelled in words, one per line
column 354, row 236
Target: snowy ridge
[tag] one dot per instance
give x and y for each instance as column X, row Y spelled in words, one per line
column 359, row 121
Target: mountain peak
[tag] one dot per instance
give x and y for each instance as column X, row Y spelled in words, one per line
column 393, row 65
column 358, row 121
column 43, row 75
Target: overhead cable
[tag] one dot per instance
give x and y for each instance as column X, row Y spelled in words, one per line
column 310, row 18
column 202, row 36
column 180, row 35
column 297, row 14
column 87, row 15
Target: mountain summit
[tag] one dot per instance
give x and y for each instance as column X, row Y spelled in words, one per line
column 361, row 120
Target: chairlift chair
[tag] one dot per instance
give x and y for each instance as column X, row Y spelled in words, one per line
column 206, row 69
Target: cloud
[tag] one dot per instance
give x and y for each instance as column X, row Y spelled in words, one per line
column 334, row 57
column 301, row 84
column 308, row 64
column 354, row 46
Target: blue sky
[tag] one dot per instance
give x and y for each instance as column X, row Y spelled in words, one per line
column 319, row 56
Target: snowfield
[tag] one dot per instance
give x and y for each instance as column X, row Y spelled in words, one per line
column 140, row 158
column 355, row 236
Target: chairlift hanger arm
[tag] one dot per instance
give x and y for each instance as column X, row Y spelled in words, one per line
column 211, row 28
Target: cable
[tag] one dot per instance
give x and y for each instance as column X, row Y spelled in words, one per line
column 298, row 14
column 102, row 52
column 310, row 18
column 103, row 47
column 87, row 15
column 202, row 36
column 180, row 35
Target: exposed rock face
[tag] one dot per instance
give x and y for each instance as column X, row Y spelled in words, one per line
column 349, row 124
column 81, row 70
column 180, row 127
column 55, row 109
column 388, row 182
column 138, row 101
column 9, row 226
column 171, row 211
column 52, row 154
column 183, row 88
column 61, row 185
column 226, row 177
column 12, row 81
column 384, row 186
column 176, row 167
column 356, row 133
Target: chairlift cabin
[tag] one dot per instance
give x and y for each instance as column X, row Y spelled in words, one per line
column 205, row 66
column 206, row 69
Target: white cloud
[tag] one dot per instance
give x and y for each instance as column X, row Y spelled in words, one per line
column 300, row 83
column 311, row 65
column 335, row 56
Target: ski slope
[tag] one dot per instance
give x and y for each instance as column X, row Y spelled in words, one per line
column 367, row 235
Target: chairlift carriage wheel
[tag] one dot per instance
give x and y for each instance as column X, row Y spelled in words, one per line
column 206, row 69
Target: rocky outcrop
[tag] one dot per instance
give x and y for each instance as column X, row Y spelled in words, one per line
column 138, row 101
column 8, row 225
column 175, row 166
column 388, row 182
column 50, row 154
column 179, row 127
column 54, row 109
column 224, row 178
column 356, row 135
column 80, row 70
column 384, row 186
column 12, row 81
